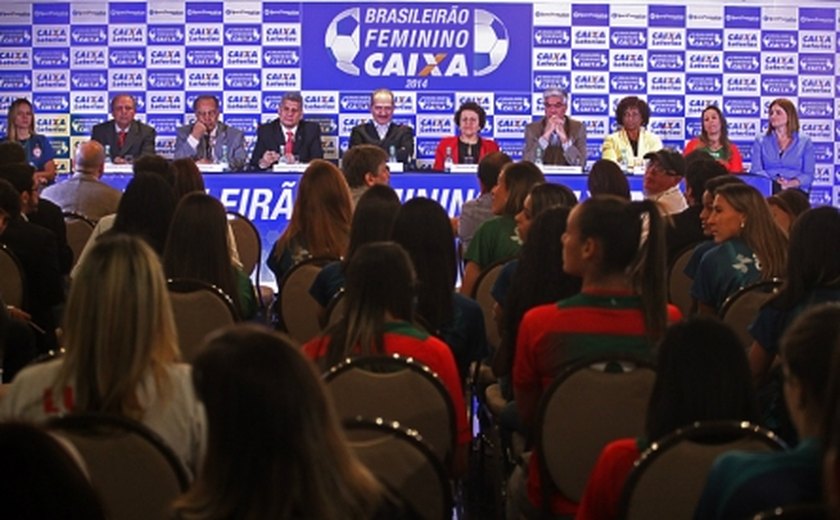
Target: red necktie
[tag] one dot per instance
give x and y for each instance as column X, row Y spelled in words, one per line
column 121, row 139
column 290, row 144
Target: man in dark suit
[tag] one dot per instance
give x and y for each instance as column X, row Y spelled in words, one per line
column 125, row 137
column 287, row 138
column 207, row 139
column 381, row 131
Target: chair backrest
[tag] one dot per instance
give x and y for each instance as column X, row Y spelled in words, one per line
column 298, row 309
column 396, row 389
column 669, row 477
column 481, row 294
column 79, row 229
column 12, row 279
column 199, row 308
column 248, row 242
column 402, row 461
column 135, row 473
column 741, row 309
column 679, row 285
column 591, row 403
column 335, row 309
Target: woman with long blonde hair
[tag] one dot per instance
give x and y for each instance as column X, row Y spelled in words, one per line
column 320, row 223
column 750, row 247
column 122, row 352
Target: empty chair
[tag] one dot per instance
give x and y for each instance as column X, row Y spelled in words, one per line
column 12, row 280
column 396, row 389
column 79, row 229
column 199, row 308
column 298, row 310
column 669, row 476
column 741, row 309
column 134, row 472
column 590, row 403
column 401, row 459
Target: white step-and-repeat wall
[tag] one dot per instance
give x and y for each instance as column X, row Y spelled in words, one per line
column 69, row 58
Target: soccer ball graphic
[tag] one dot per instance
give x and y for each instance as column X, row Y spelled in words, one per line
column 491, row 43
column 342, row 40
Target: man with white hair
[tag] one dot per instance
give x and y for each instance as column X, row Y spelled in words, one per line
column 85, row 193
column 556, row 138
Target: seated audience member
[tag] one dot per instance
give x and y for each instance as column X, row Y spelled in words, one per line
column 556, row 138
column 85, row 193
column 37, row 250
column 20, row 128
column 606, row 178
column 661, row 184
column 197, row 247
column 187, row 178
column 208, row 140
column 542, row 197
column 831, row 442
column 714, row 140
column 423, row 229
column 292, row 460
column 11, row 152
column 686, row 228
column 681, row 395
column 364, row 166
column 158, row 165
column 320, row 223
column 288, row 138
column 145, row 211
column 622, row 308
column 381, row 131
column 742, row 484
column 38, row 211
column 811, row 277
column 124, row 137
column 474, row 212
column 122, row 352
column 632, row 140
column 537, row 278
column 47, row 480
column 784, row 154
column 379, row 322
column 17, row 338
column 372, row 222
column 708, row 202
column 749, row 247
column 496, row 238
column 787, row 205
column 467, row 147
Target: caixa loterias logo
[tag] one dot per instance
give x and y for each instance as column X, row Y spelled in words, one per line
column 417, row 41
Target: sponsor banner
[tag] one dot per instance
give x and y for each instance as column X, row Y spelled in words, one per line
column 695, row 105
column 590, row 105
column 630, row 60
column 552, row 36
column 245, row 102
column 742, row 107
column 280, row 79
column 628, row 38
column 15, row 80
column 276, row 12
column 514, row 104
column 561, row 80
column 590, row 37
column 511, row 126
column 50, row 13
column 416, row 46
column 433, row 125
column 704, row 61
column 668, row 83
column 666, row 106
column 51, row 58
column 819, row 130
column 743, row 129
column 51, row 102
column 741, row 85
column 165, row 124
column 551, row 59
column 126, row 35
column 779, row 63
column 741, row 40
column 53, row 125
column 83, row 125
column 51, row 35
column 175, row 58
column 170, row 34
column 15, row 58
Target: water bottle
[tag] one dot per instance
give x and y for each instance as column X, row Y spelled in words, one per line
column 447, row 161
column 392, row 154
column 538, row 156
column 223, row 160
column 107, row 154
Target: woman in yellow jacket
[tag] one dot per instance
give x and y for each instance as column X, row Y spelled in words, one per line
column 628, row 145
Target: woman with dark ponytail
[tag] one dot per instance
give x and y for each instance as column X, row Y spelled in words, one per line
column 617, row 247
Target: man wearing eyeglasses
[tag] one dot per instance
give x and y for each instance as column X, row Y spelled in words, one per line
column 208, row 140
column 381, row 131
column 556, row 138
column 288, row 138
